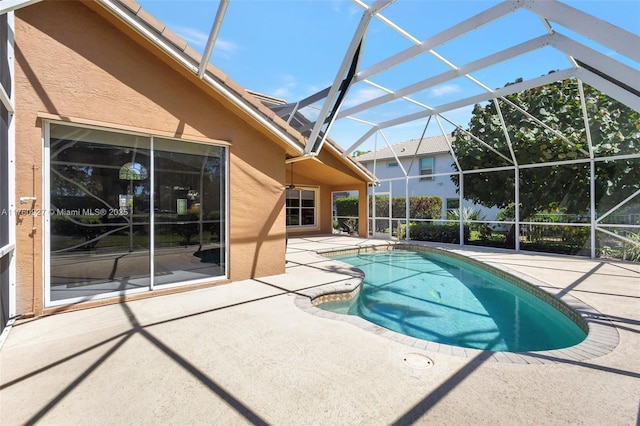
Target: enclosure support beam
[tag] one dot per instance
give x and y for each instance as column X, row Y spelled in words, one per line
column 516, row 172
column 503, row 91
column 617, row 206
column 8, row 251
column 340, row 84
column 592, row 206
column 407, row 209
column 468, row 25
column 460, row 204
column 609, row 35
column 505, row 131
column 443, row 77
column 213, row 35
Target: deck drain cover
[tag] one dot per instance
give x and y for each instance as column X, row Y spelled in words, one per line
column 417, row 361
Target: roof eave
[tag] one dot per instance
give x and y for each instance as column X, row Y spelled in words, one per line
column 129, row 13
column 355, row 164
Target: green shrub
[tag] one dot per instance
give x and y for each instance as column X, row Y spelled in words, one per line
column 437, row 233
column 633, row 253
column 347, row 212
column 622, row 250
column 347, row 206
column 421, row 207
column 575, row 235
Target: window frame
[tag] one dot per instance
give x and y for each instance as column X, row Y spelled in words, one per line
column 427, row 176
column 454, row 201
column 316, row 208
column 46, row 188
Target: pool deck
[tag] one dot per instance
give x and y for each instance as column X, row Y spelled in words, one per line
column 253, row 352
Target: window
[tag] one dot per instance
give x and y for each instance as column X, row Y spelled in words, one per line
column 453, row 203
column 392, row 164
column 426, row 168
column 130, row 213
column 301, row 207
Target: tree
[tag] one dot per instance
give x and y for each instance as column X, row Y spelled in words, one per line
column 615, row 130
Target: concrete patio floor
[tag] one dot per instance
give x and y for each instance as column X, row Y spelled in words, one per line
column 245, row 353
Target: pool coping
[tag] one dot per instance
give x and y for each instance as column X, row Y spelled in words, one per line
column 602, row 335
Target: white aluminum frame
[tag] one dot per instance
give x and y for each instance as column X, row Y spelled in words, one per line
column 213, row 36
column 548, row 12
column 608, row 35
column 332, row 96
column 573, row 19
column 8, row 100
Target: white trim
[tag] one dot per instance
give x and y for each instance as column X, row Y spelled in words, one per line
column 8, row 6
column 426, row 176
column 126, row 129
column 316, row 209
column 46, row 218
column 227, row 210
column 152, row 216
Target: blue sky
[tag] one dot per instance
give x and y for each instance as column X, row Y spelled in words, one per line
column 293, row 48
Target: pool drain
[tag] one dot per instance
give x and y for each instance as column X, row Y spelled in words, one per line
column 418, row 361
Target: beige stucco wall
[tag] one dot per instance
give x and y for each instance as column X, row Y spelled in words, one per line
column 325, row 203
column 72, row 62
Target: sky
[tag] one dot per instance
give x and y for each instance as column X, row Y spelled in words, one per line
column 291, row 49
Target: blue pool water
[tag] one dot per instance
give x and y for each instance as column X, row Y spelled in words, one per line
column 444, row 300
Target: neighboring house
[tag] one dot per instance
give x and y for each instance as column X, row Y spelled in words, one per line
column 427, row 163
column 132, row 176
column 420, row 160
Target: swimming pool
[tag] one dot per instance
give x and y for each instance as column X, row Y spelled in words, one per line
column 445, row 300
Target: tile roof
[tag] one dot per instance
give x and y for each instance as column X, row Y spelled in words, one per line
column 246, row 96
column 429, row 146
column 251, row 99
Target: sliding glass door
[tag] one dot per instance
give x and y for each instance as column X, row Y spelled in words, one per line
column 131, row 212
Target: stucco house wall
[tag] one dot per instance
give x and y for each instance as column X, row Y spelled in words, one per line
column 95, row 70
column 77, row 63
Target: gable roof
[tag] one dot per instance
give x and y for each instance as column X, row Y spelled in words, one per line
column 430, row 146
column 155, row 32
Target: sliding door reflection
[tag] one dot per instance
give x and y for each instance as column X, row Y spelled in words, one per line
column 99, row 202
column 188, row 212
